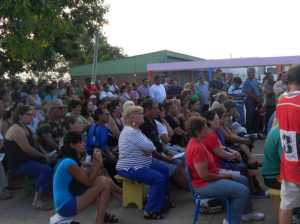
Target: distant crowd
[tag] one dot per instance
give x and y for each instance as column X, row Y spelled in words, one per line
column 73, row 140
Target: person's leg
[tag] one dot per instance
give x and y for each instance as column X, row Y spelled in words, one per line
column 243, row 180
column 250, row 116
column 4, row 193
column 236, row 193
column 176, row 172
column 290, row 199
column 100, row 191
column 156, row 180
column 42, row 174
column 285, row 216
column 3, row 179
column 235, row 166
column 241, row 111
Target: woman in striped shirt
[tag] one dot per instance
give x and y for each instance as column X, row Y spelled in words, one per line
column 135, row 162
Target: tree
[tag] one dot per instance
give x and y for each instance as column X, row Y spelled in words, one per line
column 41, row 36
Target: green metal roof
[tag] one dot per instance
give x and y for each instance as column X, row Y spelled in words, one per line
column 131, row 65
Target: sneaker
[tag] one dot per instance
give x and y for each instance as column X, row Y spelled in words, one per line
column 225, row 221
column 57, row 219
column 253, row 216
column 260, row 194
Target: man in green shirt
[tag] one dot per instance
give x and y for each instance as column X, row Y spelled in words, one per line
column 271, row 162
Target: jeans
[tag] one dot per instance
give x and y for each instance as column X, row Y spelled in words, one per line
column 174, row 150
column 3, row 179
column 235, row 166
column 42, row 173
column 235, row 190
column 241, row 110
column 252, row 121
column 156, row 176
column 269, row 112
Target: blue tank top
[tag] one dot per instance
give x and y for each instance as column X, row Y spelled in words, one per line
column 61, row 181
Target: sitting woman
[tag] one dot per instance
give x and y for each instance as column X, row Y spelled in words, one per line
column 229, row 137
column 135, row 162
column 25, row 159
column 74, row 108
column 165, row 133
column 210, row 183
column 176, row 121
column 98, row 137
column 90, row 187
column 115, row 123
column 225, row 157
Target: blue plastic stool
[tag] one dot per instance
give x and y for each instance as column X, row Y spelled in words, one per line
column 197, row 200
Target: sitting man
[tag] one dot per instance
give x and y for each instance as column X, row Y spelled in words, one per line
column 149, row 128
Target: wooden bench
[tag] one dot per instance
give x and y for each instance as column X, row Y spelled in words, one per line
column 132, row 192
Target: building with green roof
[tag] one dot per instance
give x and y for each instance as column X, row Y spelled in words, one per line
column 129, row 68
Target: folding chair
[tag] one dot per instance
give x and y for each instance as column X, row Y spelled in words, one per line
column 197, row 199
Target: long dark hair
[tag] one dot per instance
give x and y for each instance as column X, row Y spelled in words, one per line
column 19, row 111
column 67, row 151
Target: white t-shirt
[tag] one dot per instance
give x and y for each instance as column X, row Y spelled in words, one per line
column 158, row 93
column 104, row 94
column 161, row 128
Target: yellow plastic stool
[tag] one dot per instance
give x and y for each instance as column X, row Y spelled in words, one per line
column 133, row 192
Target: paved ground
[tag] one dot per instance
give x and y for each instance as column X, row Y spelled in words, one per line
column 18, row 210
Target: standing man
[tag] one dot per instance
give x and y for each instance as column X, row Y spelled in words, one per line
column 144, row 89
column 287, row 114
column 89, row 88
column 269, row 98
column 236, row 92
column 158, row 91
column 253, row 100
column 173, row 90
column 201, row 88
column 113, row 88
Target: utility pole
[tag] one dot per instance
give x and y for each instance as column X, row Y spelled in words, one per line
column 95, row 58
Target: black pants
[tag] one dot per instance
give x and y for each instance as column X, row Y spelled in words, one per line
column 269, row 111
column 252, row 118
column 272, row 183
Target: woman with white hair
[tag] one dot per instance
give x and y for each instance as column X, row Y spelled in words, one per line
column 135, row 162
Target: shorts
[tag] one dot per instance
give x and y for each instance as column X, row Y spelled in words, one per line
column 69, row 209
column 290, row 195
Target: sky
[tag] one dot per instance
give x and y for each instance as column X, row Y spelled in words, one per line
column 210, row 29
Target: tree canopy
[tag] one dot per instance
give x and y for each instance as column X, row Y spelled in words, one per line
column 46, row 35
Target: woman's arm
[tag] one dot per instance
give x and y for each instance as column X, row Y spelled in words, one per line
column 222, row 153
column 19, row 136
column 169, row 128
column 202, row 170
column 141, row 141
column 232, row 137
column 80, row 175
column 111, row 125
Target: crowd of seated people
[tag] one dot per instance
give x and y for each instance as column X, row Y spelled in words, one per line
column 64, row 135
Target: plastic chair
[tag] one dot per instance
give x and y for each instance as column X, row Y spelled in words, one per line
column 197, row 199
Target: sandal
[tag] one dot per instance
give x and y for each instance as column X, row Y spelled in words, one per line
column 43, row 205
column 152, row 215
column 5, row 195
column 110, row 218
